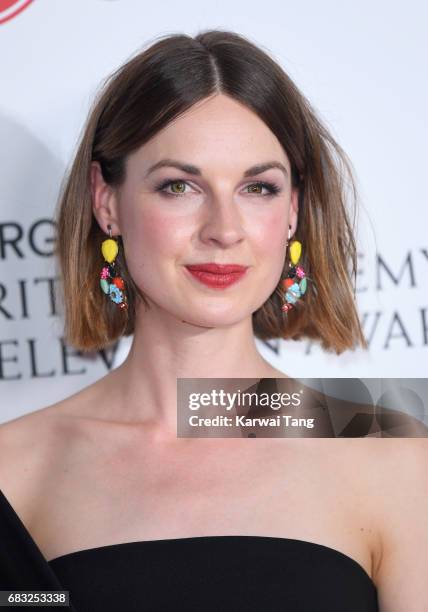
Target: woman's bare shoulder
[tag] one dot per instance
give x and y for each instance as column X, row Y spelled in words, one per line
column 38, row 424
column 401, row 497
column 35, row 446
column 43, row 421
column 389, row 476
column 27, row 444
column 26, row 433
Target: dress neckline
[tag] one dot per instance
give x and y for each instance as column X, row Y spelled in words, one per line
column 13, row 520
column 193, row 540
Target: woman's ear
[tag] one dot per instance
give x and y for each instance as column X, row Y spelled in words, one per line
column 104, row 201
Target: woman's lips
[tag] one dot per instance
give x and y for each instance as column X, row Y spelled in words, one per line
column 217, row 279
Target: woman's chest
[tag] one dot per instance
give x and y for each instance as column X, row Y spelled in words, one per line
column 302, row 491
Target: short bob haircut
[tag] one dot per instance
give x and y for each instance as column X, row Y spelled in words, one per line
column 138, row 100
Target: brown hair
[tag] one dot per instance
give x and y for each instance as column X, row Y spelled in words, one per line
column 142, row 97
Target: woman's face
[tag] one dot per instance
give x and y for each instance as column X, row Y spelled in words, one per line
column 215, row 214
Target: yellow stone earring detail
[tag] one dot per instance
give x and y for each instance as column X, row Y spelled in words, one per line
column 112, row 284
column 295, row 283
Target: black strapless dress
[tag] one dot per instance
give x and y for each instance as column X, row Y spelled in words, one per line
column 200, row 574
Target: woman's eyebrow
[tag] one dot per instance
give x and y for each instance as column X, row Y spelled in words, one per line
column 191, row 169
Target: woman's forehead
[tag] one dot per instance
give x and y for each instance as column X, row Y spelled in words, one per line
column 218, row 130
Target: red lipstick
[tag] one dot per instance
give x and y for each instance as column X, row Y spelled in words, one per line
column 218, row 276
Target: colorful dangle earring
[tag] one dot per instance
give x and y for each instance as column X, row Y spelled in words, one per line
column 112, row 284
column 295, row 283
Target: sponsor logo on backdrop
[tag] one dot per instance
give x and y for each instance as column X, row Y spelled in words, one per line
column 11, row 8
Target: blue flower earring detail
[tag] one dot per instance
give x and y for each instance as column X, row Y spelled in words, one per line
column 112, row 284
column 295, row 283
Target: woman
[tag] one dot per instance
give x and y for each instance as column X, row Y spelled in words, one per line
column 202, row 150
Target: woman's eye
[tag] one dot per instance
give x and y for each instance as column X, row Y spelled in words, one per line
column 165, row 184
column 271, row 187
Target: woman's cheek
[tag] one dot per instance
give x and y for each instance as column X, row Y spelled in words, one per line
column 148, row 232
column 271, row 237
column 154, row 245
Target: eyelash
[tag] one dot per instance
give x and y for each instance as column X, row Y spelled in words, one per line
column 271, row 187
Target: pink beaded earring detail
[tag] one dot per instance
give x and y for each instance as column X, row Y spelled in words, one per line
column 112, row 284
column 295, row 283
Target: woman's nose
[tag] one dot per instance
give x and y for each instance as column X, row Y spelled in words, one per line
column 222, row 222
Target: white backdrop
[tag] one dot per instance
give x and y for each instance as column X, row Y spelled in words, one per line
column 363, row 67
